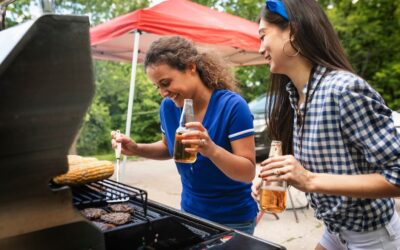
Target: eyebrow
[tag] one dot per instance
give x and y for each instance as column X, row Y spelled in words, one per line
column 261, row 30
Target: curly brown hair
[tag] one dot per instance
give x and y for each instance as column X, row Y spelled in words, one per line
column 179, row 53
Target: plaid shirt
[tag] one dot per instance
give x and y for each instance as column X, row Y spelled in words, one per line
column 347, row 130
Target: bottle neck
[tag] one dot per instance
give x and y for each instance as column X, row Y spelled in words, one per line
column 187, row 113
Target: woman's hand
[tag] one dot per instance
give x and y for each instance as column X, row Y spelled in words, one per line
column 199, row 139
column 128, row 146
column 286, row 168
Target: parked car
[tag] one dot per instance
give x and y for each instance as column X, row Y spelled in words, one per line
column 258, row 108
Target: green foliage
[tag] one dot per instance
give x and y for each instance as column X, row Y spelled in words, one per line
column 98, row 11
column 368, row 29
column 387, row 81
column 95, row 134
column 145, row 120
column 17, row 12
column 252, row 80
column 111, row 157
column 112, row 88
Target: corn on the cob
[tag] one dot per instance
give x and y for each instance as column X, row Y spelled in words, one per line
column 84, row 170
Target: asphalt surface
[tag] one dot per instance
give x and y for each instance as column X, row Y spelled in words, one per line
column 161, row 180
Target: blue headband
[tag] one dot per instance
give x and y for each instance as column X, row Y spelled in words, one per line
column 277, row 7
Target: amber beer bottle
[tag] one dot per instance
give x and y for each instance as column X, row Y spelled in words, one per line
column 180, row 155
column 273, row 193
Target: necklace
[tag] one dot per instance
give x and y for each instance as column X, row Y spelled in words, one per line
column 301, row 118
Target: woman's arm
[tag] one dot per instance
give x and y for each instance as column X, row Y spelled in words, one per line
column 238, row 165
column 358, row 186
column 157, row 150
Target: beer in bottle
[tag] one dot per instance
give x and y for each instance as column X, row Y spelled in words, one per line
column 180, row 155
column 273, row 193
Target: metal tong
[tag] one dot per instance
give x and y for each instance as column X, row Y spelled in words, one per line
column 118, row 152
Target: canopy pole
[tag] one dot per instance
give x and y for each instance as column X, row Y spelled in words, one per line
column 131, row 91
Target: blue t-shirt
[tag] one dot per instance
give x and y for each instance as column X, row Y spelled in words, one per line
column 206, row 191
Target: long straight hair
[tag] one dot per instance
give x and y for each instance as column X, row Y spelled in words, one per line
column 313, row 35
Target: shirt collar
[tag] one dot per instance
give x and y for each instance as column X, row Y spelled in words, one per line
column 291, row 89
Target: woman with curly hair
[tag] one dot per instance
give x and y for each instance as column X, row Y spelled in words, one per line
column 217, row 186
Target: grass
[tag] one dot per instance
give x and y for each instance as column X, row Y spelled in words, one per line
column 111, row 157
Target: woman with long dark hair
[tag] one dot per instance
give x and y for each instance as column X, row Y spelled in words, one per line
column 340, row 143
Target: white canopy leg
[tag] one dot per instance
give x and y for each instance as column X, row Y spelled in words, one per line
column 131, row 92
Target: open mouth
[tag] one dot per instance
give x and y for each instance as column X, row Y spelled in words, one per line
column 173, row 97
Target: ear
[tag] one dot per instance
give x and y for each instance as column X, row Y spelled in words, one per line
column 286, row 34
column 292, row 31
column 192, row 68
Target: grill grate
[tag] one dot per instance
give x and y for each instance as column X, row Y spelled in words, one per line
column 107, row 191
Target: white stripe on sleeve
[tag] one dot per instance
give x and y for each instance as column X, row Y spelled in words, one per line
column 241, row 132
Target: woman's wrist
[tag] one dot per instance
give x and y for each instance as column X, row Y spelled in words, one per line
column 310, row 181
column 134, row 149
column 214, row 153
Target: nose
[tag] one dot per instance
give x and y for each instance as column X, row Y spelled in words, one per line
column 261, row 50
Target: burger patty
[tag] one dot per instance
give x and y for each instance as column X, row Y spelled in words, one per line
column 93, row 213
column 121, row 207
column 116, row 218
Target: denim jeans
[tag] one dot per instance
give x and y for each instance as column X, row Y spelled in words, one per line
column 245, row 227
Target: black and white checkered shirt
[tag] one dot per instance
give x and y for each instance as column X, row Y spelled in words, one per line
column 347, row 130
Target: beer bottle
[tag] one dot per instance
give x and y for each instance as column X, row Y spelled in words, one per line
column 180, row 155
column 273, row 193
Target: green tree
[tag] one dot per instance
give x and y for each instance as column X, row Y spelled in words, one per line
column 252, row 80
column 113, row 89
column 369, row 30
column 96, row 129
column 97, row 11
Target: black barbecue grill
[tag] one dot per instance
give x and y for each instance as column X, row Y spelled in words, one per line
column 46, row 85
column 156, row 226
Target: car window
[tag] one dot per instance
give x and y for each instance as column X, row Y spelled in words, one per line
column 257, row 106
column 396, row 120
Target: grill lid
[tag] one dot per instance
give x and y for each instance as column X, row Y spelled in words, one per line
column 46, row 85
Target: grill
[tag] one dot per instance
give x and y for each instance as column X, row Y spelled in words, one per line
column 46, row 85
column 154, row 225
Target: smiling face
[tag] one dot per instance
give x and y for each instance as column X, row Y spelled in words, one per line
column 273, row 40
column 172, row 83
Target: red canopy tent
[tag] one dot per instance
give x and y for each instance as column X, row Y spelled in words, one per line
column 234, row 37
column 128, row 37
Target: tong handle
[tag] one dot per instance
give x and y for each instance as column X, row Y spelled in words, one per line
column 118, row 149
